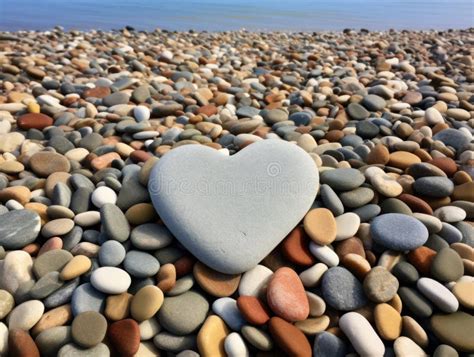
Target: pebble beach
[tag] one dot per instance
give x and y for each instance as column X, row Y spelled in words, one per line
column 107, row 248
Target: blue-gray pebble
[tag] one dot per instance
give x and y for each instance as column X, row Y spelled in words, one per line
column 398, row 231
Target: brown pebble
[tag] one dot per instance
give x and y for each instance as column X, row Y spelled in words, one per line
column 320, row 225
column 59, row 316
column 124, row 337
column 388, row 322
column 289, row 338
column 141, row 213
column 20, row 194
column 416, row 204
column 166, row 277
column 356, row 264
column 103, row 161
column 295, row 248
column 422, row 258
column 350, row 246
column 34, row 121
column 378, row 155
column 117, row 307
column 253, row 310
column 184, row 265
column 45, row 163
column 215, row 283
column 20, row 344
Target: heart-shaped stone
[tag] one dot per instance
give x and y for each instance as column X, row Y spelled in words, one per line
column 231, row 211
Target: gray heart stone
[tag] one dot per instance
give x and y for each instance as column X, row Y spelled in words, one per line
column 231, row 211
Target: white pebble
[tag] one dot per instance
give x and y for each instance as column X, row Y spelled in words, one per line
column 254, row 281
column 103, row 195
column 311, row 276
column 111, row 280
column 361, row 334
column 141, row 113
column 438, row 294
column 347, row 225
column 404, row 346
column 324, row 254
column 234, row 346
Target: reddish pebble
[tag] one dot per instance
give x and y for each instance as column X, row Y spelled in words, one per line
column 140, row 156
column 209, row 109
column 289, row 338
column 286, row 295
column 103, row 161
column 124, row 336
column 421, row 258
column 295, row 248
column 351, row 245
column 97, row 92
column 416, row 204
column 34, row 121
column 20, row 344
column 253, row 310
column 51, row 244
column 446, row 164
column 184, row 265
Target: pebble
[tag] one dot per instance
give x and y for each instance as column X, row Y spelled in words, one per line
column 347, row 225
column 320, row 225
column 324, row 254
column 16, row 271
column 454, row 329
column 253, row 310
column 211, row 337
column 151, row 236
column 289, row 338
column 215, row 283
column 447, row 265
column 86, row 298
column 111, row 253
column 140, row 264
column 21, row 344
column 110, row 280
column 50, row 341
column 103, row 195
column 235, row 346
column 45, row 163
column 19, row 228
column 88, row 329
column 286, row 295
column 226, row 308
column 398, row 231
column 124, row 336
column 183, row 314
column 114, row 222
column 341, row 290
column 388, row 322
column 438, row 294
column 254, row 281
column 361, row 334
column 404, row 346
column 342, row 179
column 328, row 345
column 380, row 285
column 25, row 315
column 146, row 303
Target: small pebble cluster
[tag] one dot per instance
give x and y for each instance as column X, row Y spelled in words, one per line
column 382, row 264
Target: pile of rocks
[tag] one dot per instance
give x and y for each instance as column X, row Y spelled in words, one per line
column 382, row 263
